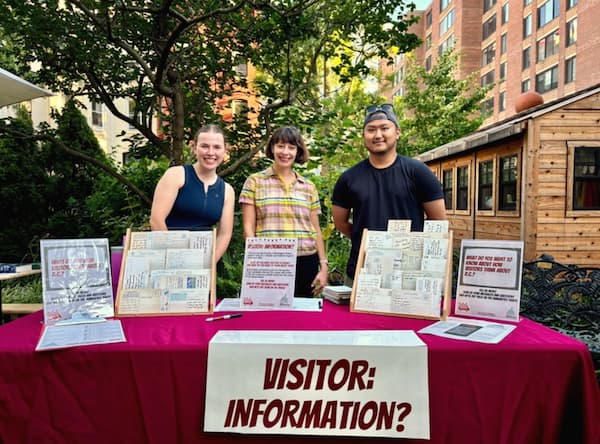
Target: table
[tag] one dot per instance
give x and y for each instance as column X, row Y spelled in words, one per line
column 7, row 276
column 536, row 386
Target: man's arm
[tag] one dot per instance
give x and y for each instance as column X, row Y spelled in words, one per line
column 341, row 220
column 435, row 209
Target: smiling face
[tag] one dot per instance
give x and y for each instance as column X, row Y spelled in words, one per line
column 380, row 136
column 284, row 154
column 210, row 150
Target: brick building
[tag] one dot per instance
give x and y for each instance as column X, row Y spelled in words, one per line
column 519, row 45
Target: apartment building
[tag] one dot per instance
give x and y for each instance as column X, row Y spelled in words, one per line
column 517, row 45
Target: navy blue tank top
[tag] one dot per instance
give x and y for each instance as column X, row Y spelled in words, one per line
column 193, row 208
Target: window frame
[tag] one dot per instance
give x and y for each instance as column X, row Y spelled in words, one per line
column 458, row 187
column 97, row 114
column 502, row 184
column 491, row 159
column 572, row 146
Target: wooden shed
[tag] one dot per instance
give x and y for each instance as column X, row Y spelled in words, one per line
column 534, row 177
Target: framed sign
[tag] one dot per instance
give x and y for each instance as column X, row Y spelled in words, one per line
column 489, row 279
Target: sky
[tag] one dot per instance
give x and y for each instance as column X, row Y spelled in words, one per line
column 421, row 4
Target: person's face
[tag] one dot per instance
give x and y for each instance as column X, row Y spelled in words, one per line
column 380, row 136
column 284, row 154
column 210, row 150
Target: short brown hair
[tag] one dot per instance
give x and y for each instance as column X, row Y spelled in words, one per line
column 291, row 135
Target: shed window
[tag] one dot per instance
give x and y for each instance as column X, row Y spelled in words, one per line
column 586, row 183
column 448, row 185
column 485, row 191
column 507, row 186
column 462, row 188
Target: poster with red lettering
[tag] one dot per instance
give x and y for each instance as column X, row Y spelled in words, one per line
column 269, row 273
column 348, row 383
column 489, row 279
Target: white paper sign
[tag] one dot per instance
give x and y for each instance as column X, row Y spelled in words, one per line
column 76, row 279
column 269, row 272
column 350, row 383
column 489, row 279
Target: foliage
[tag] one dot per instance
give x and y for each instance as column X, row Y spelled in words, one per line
column 23, row 200
column 437, row 107
column 177, row 59
column 26, row 290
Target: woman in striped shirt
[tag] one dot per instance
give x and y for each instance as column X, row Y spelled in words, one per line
column 280, row 203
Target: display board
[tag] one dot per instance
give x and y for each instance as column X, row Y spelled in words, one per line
column 167, row 273
column 405, row 273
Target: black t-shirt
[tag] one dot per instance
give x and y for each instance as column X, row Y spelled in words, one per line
column 377, row 195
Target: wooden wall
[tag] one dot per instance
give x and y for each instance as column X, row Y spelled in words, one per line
column 572, row 237
column 544, row 219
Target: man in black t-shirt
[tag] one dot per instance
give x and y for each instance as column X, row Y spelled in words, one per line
column 384, row 186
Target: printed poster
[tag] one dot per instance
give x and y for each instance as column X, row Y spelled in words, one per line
column 269, row 272
column 489, row 279
column 76, row 280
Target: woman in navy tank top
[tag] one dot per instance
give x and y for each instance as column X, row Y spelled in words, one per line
column 192, row 197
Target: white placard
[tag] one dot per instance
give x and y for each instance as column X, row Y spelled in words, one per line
column 489, row 279
column 76, row 279
column 269, row 272
column 350, row 383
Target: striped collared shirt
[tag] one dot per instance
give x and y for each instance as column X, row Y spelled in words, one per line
column 283, row 210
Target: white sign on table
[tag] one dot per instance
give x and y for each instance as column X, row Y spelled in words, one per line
column 269, row 272
column 489, row 279
column 349, row 383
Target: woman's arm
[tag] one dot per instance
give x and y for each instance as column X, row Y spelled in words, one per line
column 165, row 194
column 321, row 278
column 249, row 220
column 225, row 228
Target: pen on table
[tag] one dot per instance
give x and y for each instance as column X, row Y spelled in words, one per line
column 221, row 318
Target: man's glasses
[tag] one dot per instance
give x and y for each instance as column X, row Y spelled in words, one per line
column 386, row 107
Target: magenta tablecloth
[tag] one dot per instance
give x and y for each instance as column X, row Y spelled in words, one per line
column 536, row 386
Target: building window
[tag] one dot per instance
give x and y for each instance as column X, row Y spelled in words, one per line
column 447, row 22
column 571, row 3
column 97, row 118
column 547, row 80
column 525, row 85
column 428, row 42
column 502, row 75
column 489, row 27
column 485, row 185
column 548, row 46
column 586, row 179
column 526, row 2
column 446, row 45
column 131, row 113
column 502, row 101
column 428, row 63
column 428, row 19
column 487, row 106
column 505, row 14
column 548, row 12
column 527, row 26
column 507, row 186
column 489, row 54
column 487, row 78
column 242, row 70
column 462, row 188
column 571, row 32
column 503, row 43
column 526, row 58
column 444, row 4
column 570, row 69
column 447, row 180
column 487, row 4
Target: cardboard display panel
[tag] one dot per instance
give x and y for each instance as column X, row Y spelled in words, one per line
column 167, row 273
column 404, row 274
